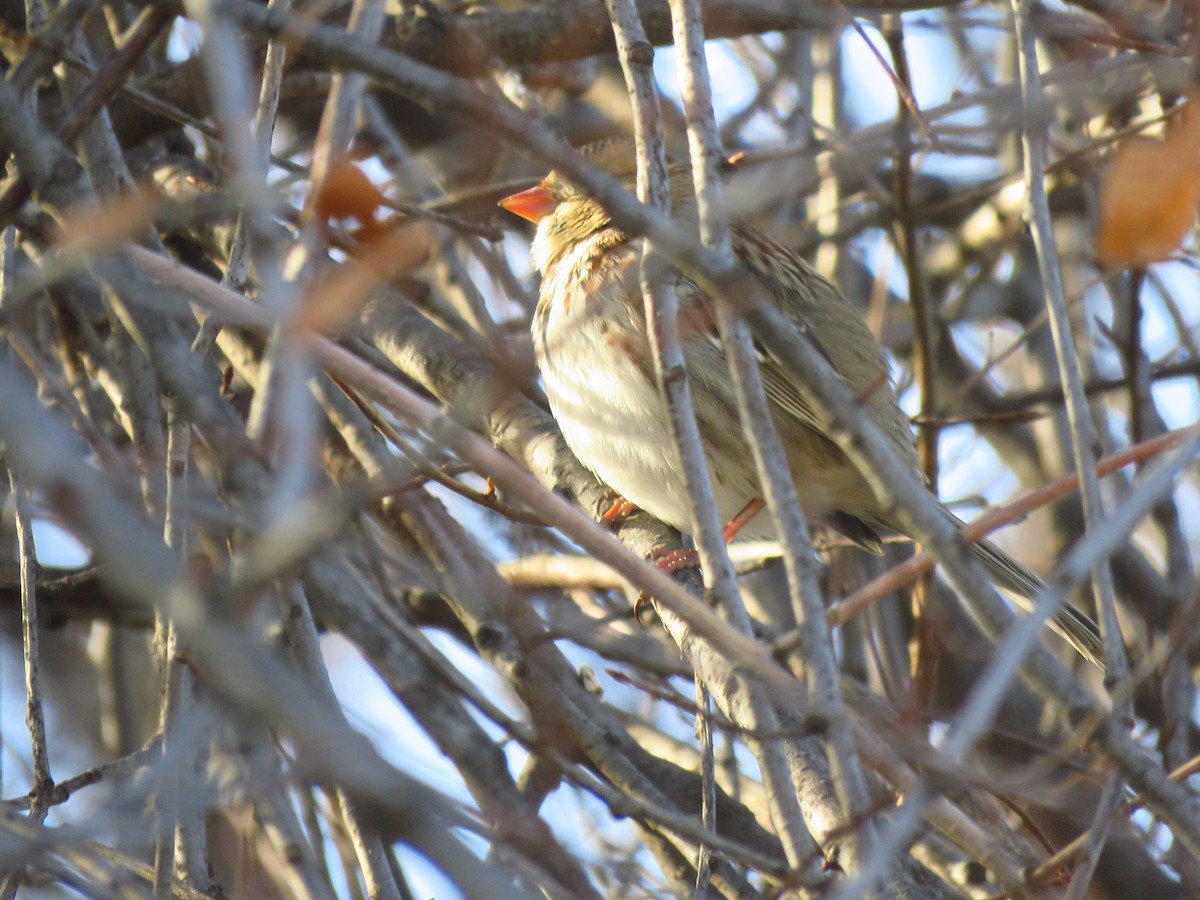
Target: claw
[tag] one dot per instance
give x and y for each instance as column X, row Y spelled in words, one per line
column 638, row 605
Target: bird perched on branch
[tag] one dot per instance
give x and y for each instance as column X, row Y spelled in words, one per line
column 592, row 345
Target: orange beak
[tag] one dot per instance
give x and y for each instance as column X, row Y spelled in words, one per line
column 533, row 204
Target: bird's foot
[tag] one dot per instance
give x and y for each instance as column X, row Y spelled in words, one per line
column 619, row 510
column 671, row 561
column 668, row 562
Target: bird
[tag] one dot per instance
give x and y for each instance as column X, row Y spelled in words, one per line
column 593, row 352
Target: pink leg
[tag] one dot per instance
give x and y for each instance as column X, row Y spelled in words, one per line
column 738, row 522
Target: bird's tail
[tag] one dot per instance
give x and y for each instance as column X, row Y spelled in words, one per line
column 1078, row 628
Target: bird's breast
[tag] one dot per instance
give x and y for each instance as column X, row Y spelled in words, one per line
column 609, row 411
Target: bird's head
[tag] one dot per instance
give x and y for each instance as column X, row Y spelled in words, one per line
column 565, row 213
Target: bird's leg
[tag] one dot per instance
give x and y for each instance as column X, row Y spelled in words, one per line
column 671, row 561
column 738, row 522
column 619, row 510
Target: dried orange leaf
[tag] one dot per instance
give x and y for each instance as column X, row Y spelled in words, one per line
column 334, row 302
column 97, row 229
column 369, row 234
column 1149, row 195
column 347, row 193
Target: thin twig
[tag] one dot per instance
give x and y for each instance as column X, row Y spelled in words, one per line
column 43, row 783
column 765, row 444
column 1085, row 444
column 1014, row 649
column 661, row 303
column 1014, row 511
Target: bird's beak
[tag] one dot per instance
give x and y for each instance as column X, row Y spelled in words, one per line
column 533, row 204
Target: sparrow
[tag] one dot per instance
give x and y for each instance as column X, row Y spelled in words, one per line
column 592, row 347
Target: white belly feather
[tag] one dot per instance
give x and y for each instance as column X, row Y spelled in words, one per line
column 616, row 424
column 615, row 421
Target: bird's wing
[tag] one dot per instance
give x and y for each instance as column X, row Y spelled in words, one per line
column 791, row 282
column 835, row 327
column 783, row 390
column 697, row 319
